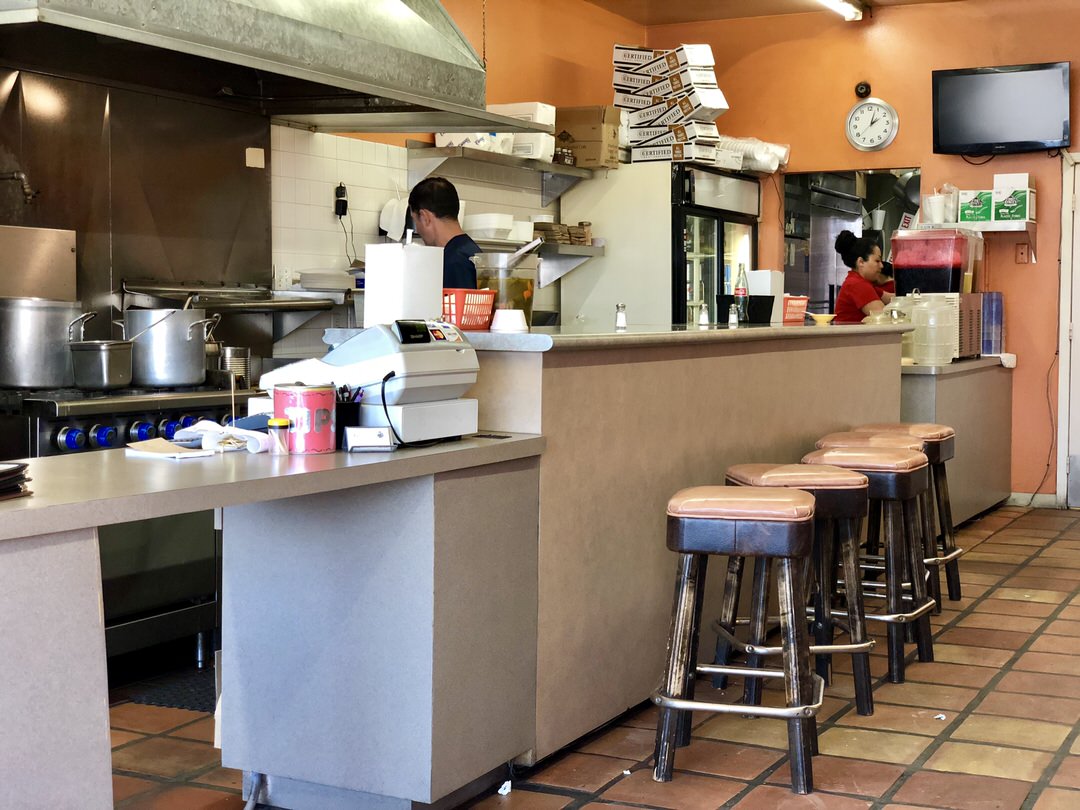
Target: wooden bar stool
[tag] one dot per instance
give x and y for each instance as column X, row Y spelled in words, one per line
column 745, row 522
column 939, row 444
column 840, row 498
column 897, row 478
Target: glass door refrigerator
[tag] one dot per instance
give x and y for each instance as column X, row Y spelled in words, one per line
column 714, row 230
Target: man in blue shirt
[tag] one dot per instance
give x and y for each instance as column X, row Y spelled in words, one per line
column 433, row 204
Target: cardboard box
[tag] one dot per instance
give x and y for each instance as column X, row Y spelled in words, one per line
column 679, row 83
column 596, row 154
column 691, row 131
column 1014, row 204
column 1012, row 180
column 676, row 153
column 630, row 82
column 535, row 111
column 703, row 104
column 572, row 119
column 678, row 58
column 974, row 206
column 727, row 159
column 633, row 101
column 633, row 56
column 646, row 116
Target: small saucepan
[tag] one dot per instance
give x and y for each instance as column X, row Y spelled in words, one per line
column 101, row 365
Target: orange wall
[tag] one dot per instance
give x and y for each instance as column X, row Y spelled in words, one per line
column 790, row 79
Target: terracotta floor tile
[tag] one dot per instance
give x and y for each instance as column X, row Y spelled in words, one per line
column 876, row 746
column 908, row 719
column 1057, row 799
column 1012, row 731
column 1070, row 613
column 998, row 621
column 1062, row 548
column 686, row 791
column 162, row 756
column 763, row 731
column 612, row 806
column 993, row 639
column 1053, row 523
column 926, row 695
column 726, row 759
column 975, row 578
column 201, row 730
column 520, row 799
column 1047, row 662
column 626, row 743
column 1064, row 627
column 1075, row 747
column 1054, row 564
column 843, row 775
column 990, row 760
column 1068, row 773
column 879, row 664
column 768, row 797
column 1031, row 579
column 1010, row 607
column 956, row 791
column 1045, row 597
column 124, row 787
column 1001, row 538
column 949, row 674
column 120, row 737
column 977, row 656
column 587, row 772
column 1036, row 707
column 182, row 797
column 987, row 556
column 1062, row 645
column 222, row 777
column 1037, row 683
column 149, row 719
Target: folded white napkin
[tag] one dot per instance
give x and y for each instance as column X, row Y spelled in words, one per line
column 212, row 435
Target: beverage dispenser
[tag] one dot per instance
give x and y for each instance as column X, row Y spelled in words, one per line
column 943, row 260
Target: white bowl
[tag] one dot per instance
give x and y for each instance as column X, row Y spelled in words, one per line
column 475, row 222
column 488, row 233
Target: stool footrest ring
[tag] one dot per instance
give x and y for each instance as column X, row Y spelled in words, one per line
column 896, row 618
column 758, row 649
column 955, row 554
column 783, row 712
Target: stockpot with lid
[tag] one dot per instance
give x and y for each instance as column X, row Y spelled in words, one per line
column 169, row 346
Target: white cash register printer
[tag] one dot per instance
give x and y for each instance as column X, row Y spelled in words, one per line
column 413, row 374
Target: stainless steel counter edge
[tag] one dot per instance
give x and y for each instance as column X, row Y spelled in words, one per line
column 554, row 339
column 106, row 487
column 955, row 367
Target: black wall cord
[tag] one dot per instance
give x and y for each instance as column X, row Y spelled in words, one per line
column 386, row 411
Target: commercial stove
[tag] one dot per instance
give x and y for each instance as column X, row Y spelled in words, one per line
column 160, row 576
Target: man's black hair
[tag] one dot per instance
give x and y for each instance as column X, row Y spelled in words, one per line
column 437, row 195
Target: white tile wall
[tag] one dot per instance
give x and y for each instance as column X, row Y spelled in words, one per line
column 305, row 168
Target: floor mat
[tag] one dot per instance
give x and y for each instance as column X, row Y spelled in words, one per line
column 193, row 690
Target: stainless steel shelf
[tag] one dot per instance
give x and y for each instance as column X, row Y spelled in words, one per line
column 545, row 249
column 985, row 227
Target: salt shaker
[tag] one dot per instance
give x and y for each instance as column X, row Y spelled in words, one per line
column 703, row 315
column 620, row 317
column 733, row 317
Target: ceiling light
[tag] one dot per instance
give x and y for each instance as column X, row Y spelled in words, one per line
column 850, row 10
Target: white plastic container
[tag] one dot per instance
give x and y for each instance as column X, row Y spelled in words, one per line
column 935, row 328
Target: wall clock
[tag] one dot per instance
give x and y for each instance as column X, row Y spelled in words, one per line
column 871, row 125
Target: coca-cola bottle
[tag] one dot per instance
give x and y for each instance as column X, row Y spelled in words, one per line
column 742, row 295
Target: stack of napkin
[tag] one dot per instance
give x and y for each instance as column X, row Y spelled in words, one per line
column 13, row 481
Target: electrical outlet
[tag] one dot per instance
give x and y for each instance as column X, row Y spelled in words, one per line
column 1022, row 253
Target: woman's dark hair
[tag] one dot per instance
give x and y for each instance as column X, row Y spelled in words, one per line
column 437, row 195
column 852, row 248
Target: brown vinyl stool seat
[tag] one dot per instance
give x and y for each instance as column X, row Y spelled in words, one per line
column 760, row 522
column 896, row 479
column 896, row 441
column 840, row 503
column 939, row 444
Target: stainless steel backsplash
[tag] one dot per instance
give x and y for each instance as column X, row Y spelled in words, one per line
column 155, row 187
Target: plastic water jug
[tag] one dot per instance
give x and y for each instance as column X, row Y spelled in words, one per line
column 899, row 310
column 935, row 330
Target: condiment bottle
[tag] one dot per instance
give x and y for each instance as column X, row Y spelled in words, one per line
column 733, row 317
column 703, row 315
column 742, row 295
column 278, row 430
column 620, row 317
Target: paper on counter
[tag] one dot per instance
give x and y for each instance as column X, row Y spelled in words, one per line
column 212, row 435
column 163, row 448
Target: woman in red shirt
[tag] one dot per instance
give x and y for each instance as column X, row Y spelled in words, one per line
column 858, row 296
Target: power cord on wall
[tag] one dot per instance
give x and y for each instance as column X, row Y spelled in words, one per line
column 341, row 210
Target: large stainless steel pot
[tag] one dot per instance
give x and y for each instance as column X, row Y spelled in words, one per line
column 34, row 334
column 101, row 365
column 169, row 346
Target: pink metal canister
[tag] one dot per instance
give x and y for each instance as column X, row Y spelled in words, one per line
column 310, row 410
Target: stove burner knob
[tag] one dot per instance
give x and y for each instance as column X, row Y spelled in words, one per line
column 71, row 438
column 141, row 431
column 167, row 428
column 187, row 420
column 102, row 436
column 226, row 419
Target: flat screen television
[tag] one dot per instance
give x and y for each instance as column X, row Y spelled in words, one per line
column 1001, row 110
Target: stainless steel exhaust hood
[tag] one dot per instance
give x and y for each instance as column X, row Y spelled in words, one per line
column 331, row 65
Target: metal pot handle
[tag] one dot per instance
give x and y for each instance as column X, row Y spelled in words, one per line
column 208, row 325
column 81, row 323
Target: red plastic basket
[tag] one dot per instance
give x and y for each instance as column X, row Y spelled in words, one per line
column 468, row 309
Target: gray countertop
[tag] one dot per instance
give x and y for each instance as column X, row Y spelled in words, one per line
column 105, row 487
column 955, row 367
column 571, row 337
